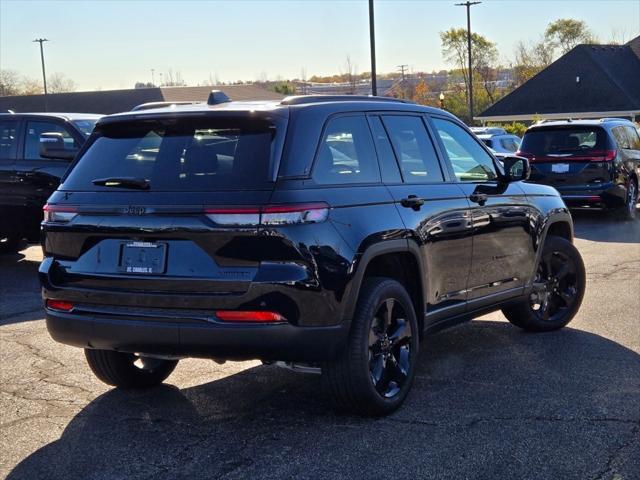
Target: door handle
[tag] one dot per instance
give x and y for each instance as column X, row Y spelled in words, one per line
column 412, row 201
column 479, row 198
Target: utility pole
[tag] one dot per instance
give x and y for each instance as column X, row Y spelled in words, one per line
column 402, row 68
column 153, row 77
column 372, row 41
column 44, row 75
column 469, row 4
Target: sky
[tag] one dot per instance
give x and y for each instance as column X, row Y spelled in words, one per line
column 112, row 44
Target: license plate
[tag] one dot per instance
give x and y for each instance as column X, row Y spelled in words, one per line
column 145, row 258
column 560, row 167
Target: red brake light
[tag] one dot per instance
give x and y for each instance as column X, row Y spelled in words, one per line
column 59, row 213
column 610, row 155
column 59, row 305
column 270, row 214
column 249, row 316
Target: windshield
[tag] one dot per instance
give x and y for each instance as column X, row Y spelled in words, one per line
column 564, row 141
column 85, row 126
column 203, row 155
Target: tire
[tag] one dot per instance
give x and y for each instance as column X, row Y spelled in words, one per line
column 558, row 289
column 120, row 370
column 9, row 244
column 628, row 211
column 374, row 373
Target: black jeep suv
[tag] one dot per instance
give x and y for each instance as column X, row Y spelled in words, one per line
column 29, row 174
column 328, row 233
column 592, row 163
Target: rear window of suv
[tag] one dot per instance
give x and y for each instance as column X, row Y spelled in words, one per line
column 185, row 155
column 572, row 141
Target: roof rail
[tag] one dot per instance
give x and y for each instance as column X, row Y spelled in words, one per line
column 10, row 112
column 613, row 119
column 304, row 99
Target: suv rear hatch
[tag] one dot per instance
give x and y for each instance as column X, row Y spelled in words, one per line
column 167, row 205
column 567, row 156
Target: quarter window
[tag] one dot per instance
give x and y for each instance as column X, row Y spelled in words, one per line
column 414, row 149
column 32, row 140
column 470, row 162
column 346, row 153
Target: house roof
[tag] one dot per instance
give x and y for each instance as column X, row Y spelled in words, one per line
column 590, row 80
column 113, row 101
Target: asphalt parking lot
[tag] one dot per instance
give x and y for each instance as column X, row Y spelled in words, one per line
column 489, row 401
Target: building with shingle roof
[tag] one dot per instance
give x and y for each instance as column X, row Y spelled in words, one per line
column 590, row 81
column 113, row 101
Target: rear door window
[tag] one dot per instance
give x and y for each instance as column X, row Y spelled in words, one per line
column 32, row 138
column 413, row 148
column 346, row 153
column 204, row 155
column 8, row 140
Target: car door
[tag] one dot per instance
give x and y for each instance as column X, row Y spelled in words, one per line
column 434, row 210
column 38, row 177
column 9, row 138
column 503, row 240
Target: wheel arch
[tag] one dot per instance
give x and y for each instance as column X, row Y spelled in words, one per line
column 396, row 259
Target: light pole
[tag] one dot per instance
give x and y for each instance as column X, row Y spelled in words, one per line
column 372, row 41
column 441, row 100
column 44, row 75
column 153, row 77
column 469, row 4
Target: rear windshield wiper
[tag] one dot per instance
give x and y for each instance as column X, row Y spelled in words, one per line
column 123, row 182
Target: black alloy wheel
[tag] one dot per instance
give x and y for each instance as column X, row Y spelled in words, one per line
column 389, row 348
column 557, row 290
column 375, row 371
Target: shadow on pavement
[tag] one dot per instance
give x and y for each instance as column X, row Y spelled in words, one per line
column 490, row 401
column 602, row 226
column 19, row 286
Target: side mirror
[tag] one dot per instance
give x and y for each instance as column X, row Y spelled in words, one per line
column 516, row 169
column 52, row 146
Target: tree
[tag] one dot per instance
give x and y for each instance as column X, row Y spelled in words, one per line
column 9, row 83
column 484, row 55
column 531, row 59
column 566, row 33
column 31, row 87
column 58, row 83
column 351, row 75
column 421, row 93
column 144, row 85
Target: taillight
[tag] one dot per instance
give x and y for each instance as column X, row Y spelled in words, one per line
column 59, row 305
column 269, row 215
column 59, row 213
column 610, row 155
column 528, row 155
column 249, row 316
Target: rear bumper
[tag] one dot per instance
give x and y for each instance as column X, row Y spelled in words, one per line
column 218, row 340
column 607, row 195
